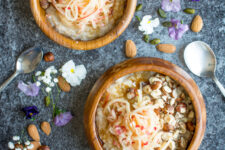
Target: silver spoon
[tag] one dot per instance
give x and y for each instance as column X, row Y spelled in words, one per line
column 201, row 60
column 26, row 63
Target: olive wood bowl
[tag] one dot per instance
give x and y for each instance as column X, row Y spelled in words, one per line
column 41, row 20
column 144, row 64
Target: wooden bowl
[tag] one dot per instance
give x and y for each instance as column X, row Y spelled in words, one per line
column 144, row 64
column 41, row 20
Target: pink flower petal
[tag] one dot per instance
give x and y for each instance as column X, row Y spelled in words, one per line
column 63, row 119
column 30, row 89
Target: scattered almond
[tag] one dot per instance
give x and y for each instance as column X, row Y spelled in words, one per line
column 33, row 132
column 131, row 50
column 44, row 147
column 197, row 24
column 166, row 48
column 36, row 145
column 18, row 146
column 63, row 84
column 46, row 128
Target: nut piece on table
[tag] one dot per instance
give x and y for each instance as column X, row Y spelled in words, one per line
column 49, row 57
column 46, row 127
column 63, row 84
column 33, row 132
column 18, row 146
column 43, row 147
column 131, row 50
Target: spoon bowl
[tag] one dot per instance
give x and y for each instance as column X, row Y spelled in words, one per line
column 26, row 63
column 201, row 60
column 29, row 60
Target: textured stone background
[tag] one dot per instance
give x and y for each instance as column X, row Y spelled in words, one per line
column 19, row 31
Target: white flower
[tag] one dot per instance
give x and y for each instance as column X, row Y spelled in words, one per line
column 30, row 146
column 147, row 25
column 38, row 73
column 16, row 138
column 54, row 71
column 11, row 145
column 38, row 83
column 48, row 89
column 55, row 80
column 27, row 143
column 18, row 149
column 40, row 78
column 73, row 74
column 51, row 84
column 24, row 148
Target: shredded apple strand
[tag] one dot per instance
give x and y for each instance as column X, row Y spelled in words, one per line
column 85, row 12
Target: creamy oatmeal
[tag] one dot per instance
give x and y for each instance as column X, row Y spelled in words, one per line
column 145, row 111
column 84, row 19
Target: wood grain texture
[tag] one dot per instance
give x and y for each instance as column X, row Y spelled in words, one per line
column 144, row 64
column 41, row 20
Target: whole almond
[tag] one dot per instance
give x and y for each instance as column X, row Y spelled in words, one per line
column 131, row 50
column 36, row 145
column 197, row 24
column 63, row 84
column 33, row 132
column 46, row 128
column 166, row 48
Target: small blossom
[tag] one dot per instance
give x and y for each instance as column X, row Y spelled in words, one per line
column 30, row 89
column 62, row 119
column 171, row 5
column 30, row 111
column 27, row 143
column 18, row 148
column 11, row 145
column 38, row 83
column 24, row 148
column 30, row 146
column 147, row 25
column 73, row 74
column 39, row 78
column 177, row 30
column 38, row 73
column 16, row 138
column 48, row 89
column 55, row 80
column 52, row 84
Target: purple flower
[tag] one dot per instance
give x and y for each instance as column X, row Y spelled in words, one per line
column 30, row 111
column 177, row 30
column 30, row 89
column 62, row 119
column 171, row 5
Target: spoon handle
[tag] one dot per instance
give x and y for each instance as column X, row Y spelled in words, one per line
column 2, row 87
column 219, row 85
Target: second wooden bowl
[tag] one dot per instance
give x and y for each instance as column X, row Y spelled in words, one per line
column 144, row 64
column 41, row 20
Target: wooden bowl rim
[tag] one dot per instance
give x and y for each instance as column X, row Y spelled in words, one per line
column 40, row 18
column 144, row 64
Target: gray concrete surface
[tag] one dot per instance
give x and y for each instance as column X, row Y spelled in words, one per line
column 18, row 31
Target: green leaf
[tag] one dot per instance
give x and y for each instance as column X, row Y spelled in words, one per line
column 139, row 7
column 167, row 24
column 182, row 22
column 161, row 13
column 138, row 18
column 47, row 101
column 155, row 41
column 189, row 11
column 146, row 38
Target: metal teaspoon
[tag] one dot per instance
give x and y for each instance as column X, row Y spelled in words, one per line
column 201, row 60
column 26, row 63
